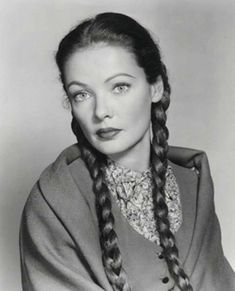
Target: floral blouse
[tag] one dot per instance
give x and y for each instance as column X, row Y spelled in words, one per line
column 133, row 193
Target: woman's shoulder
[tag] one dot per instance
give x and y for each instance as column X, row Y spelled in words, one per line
column 60, row 171
column 56, row 184
column 186, row 157
column 191, row 169
column 63, row 161
column 192, row 172
column 188, row 161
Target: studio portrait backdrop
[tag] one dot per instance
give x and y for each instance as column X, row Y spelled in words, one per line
column 197, row 43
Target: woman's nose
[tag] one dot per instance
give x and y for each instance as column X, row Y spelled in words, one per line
column 102, row 108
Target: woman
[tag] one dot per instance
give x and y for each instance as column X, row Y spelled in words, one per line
column 120, row 210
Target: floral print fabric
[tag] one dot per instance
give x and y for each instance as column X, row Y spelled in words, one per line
column 132, row 191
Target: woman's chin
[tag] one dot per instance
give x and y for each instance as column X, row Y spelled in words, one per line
column 110, row 149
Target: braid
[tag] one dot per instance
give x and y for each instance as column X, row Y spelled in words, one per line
column 111, row 255
column 159, row 151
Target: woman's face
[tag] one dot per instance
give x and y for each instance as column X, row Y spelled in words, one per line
column 111, row 98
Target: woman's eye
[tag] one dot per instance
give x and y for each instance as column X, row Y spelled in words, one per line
column 81, row 96
column 121, row 88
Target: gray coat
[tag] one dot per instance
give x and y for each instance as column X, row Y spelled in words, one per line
column 59, row 236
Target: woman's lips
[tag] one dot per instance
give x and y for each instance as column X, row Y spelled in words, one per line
column 108, row 132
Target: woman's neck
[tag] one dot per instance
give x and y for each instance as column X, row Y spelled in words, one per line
column 136, row 158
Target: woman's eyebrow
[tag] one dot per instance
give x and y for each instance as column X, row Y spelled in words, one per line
column 77, row 83
column 117, row 75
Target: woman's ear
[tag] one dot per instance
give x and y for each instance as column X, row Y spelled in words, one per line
column 157, row 90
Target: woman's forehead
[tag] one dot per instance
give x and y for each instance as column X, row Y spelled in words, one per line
column 101, row 61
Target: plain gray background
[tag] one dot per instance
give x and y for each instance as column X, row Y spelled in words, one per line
column 198, row 45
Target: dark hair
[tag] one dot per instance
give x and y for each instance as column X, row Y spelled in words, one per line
column 121, row 30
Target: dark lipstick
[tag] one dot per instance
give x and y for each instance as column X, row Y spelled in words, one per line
column 108, row 132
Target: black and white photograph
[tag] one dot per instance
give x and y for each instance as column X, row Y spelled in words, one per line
column 117, row 145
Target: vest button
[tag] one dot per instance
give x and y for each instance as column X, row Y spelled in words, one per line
column 160, row 256
column 165, row 280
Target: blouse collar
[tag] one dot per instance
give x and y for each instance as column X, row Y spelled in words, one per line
column 118, row 174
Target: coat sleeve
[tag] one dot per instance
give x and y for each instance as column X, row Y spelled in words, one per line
column 49, row 258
